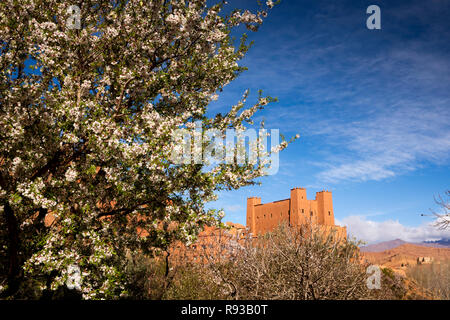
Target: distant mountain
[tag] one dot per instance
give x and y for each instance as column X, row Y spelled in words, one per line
column 444, row 242
column 388, row 245
column 382, row 246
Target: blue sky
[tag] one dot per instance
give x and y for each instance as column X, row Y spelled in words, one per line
column 372, row 108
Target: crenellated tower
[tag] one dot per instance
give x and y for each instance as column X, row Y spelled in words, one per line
column 325, row 208
column 251, row 214
column 295, row 211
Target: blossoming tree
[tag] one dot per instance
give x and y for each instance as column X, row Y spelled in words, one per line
column 89, row 99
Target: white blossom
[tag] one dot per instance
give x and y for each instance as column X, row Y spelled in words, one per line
column 71, row 175
column 87, row 136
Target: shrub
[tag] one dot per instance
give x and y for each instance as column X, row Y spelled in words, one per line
column 287, row 264
column 295, row 264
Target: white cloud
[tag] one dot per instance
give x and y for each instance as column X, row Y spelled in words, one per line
column 374, row 231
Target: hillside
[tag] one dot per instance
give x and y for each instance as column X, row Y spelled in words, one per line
column 405, row 255
column 387, row 245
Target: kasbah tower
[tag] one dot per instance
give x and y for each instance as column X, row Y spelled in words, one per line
column 295, row 211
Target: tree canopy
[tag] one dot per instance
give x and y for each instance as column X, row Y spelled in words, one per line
column 89, row 102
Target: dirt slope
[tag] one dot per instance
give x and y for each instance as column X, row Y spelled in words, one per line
column 406, row 255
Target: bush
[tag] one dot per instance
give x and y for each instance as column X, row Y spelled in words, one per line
column 152, row 279
column 295, row 264
column 287, row 264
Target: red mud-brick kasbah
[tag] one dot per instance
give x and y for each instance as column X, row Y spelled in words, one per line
column 295, row 211
column 262, row 218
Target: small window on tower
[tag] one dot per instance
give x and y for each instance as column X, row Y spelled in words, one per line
column 311, row 213
column 271, row 215
column 329, row 213
column 303, row 210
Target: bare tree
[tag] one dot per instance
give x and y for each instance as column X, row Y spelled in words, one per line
column 294, row 264
column 434, row 277
column 443, row 218
column 306, row 263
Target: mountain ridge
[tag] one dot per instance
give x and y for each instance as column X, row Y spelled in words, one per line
column 388, row 245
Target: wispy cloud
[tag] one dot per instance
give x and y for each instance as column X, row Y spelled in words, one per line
column 368, row 105
column 388, row 144
column 386, row 115
column 377, row 104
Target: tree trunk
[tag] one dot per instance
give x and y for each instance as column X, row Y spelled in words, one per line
column 13, row 279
